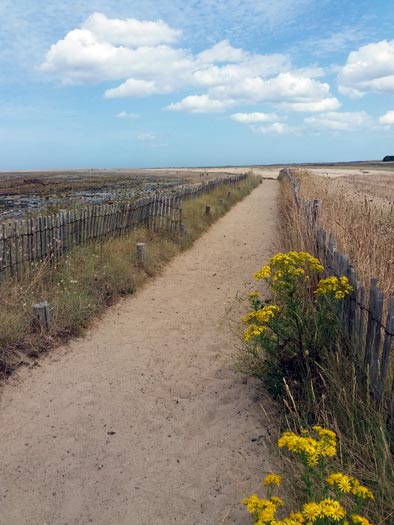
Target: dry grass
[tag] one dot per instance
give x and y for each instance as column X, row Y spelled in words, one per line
column 358, row 210
column 93, row 276
column 365, row 448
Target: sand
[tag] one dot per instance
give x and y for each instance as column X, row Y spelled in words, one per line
column 145, row 420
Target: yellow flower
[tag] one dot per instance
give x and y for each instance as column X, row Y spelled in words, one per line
column 360, row 520
column 263, row 273
column 288, row 267
column 334, row 287
column 309, row 448
column 311, row 511
column 330, row 508
column 253, row 331
column 272, row 479
column 343, row 482
column 263, row 316
column 361, row 492
column 263, row 509
column 277, row 501
column 297, row 517
column 253, row 295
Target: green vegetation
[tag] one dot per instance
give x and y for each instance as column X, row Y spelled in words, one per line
column 327, row 499
column 93, row 276
column 297, row 348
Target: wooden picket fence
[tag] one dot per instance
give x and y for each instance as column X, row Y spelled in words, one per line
column 371, row 335
column 27, row 242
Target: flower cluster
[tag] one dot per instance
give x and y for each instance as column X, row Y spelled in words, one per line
column 347, row 484
column 329, row 510
column 259, row 320
column 263, row 510
column 337, row 287
column 310, row 449
column 289, row 265
column 272, row 479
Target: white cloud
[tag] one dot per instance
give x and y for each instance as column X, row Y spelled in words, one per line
column 130, row 32
column 277, row 128
column 222, row 52
column 251, row 118
column 136, row 88
column 325, row 104
column 369, row 69
column 200, row 104
column 140, row 58
column 336, row 121
column 126, row 115
column 82, row 58
column 286, row 87
column 251, row 66
column 350, row 92
column 387, row 118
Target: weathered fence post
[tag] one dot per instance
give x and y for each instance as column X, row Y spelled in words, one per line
column 42, row 316
column 141, row 253
column 386, row 350
column 207, row 210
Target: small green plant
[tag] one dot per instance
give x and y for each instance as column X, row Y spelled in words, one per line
column 286, row 333
column 328, row 499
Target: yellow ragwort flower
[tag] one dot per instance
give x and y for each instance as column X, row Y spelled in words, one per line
column 334, row 287
column 309, row 448
column 277, row 501
column 361, row 492
column 330, row 508
column 342, row 481
column 272, row 479
column 311, row 511
column 360, row 520
column 263, row 273
column 253, row 331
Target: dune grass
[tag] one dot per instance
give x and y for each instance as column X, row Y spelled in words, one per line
column 93, row 276
column 358, row 210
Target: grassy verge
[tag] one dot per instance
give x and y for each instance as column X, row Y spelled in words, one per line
column 366, row 450
column 93, row 276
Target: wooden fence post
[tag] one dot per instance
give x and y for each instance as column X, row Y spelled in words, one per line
column 386, row 350
column 141, row 253
column 42, row 316
column 207, row 210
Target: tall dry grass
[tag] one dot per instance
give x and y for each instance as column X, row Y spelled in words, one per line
column 359, row 211
column 365, row 447
column 93, row 276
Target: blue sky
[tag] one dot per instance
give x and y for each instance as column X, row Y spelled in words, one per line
column 121, row 83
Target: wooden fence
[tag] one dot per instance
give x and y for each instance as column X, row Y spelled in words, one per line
column 30, row 241
column 371, row 335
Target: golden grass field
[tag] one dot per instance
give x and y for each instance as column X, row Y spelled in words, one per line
column 358, row 208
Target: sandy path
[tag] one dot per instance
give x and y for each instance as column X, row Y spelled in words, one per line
column 144, row 421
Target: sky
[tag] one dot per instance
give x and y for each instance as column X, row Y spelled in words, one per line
column 127, row 84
